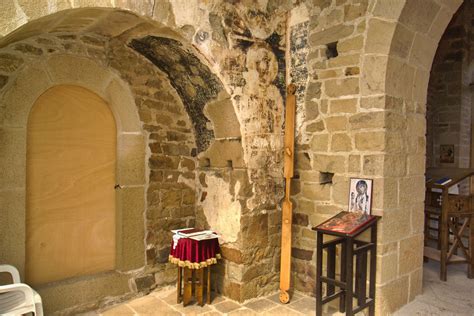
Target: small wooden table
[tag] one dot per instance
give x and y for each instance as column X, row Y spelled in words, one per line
column 192, row 257
column 455, row 216
column 350, row 248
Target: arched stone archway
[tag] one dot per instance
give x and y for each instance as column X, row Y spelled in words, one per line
column 157, row 164
column 395, row 75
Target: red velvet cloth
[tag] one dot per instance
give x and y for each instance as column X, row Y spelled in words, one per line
column 195, row 254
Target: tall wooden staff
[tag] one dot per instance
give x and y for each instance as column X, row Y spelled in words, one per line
column 287, row 207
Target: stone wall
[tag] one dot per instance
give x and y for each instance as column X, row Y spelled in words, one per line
column 362, row 69
column 449, row 97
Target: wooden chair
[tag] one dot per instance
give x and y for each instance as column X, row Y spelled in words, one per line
column 18, row 298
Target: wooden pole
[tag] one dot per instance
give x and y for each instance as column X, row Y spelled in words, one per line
column 287, row 207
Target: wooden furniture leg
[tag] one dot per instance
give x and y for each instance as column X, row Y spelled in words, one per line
column 319, row 273
column 188, row 286
column 200, row 286
column 349, row 276
column 342, row 300
column 373, row 266
column 444, row 237
column 209, row 285
column 470, row 269
column 179, row 287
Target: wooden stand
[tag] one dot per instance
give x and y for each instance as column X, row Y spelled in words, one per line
column 454, row 214
column 350, row 285
column 192, row 280
column 287, row 207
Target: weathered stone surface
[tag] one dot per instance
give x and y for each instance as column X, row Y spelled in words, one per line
column 302, row 254
column 343, row 106
column 316, row 191
column 320, row 142
column 332, row 34
column 336, row 123
column 182, row 66
column 370, row 141
column 326, row 163
column 9, row 62
column 341, row 87
column 341, row 142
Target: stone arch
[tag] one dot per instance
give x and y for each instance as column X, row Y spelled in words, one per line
column 16, row 106
column 127, row 80
column 394, row 80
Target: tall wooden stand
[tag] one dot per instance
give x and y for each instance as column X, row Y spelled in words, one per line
column 287, row 207
column 352, row 284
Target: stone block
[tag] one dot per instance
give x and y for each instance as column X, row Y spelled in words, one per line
column 330, row 35
column 12, row 158
column 131, row 159
column 341, row 142
column 351, row 44
column 80, row 71
column 395, row 224
column 367, row 120
column 416, row 165
column 370, row 141
column 399, row 79
column 401, row 41
column 302, row 254
column 389, row 9
column 373, row 165
column 320, row 142
column 343, row 106
column 394, row 165
column 122, row 104
column 379, row 36
column 341, row 87
column 16, row 103
column 355, row 10
column 416, row 284
column 12, row 221
column 411, row 254
column 423, row 51
column 316, row 127
column 340, row 187
column 232, row 254
column 354, row 163
column 316, row 191
column 373, row 78
column 131, row 235
column 387, row 267
column 391, row 296
column 412, row 189
column 344, row 60
column 336, row 123
column 329, row 163
column 419, row 16
column 83, row 291
column 376, row 102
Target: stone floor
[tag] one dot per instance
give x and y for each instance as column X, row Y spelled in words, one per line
column 454, row 297
column 163, row 302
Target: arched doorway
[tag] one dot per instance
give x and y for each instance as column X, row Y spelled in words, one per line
column 70, row 198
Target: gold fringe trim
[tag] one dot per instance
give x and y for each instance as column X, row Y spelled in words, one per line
column 194, row 265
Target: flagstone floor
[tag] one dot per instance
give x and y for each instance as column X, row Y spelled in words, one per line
column 454, row 297
column 163, row 302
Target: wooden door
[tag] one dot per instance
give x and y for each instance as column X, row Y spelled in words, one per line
column 70, row 199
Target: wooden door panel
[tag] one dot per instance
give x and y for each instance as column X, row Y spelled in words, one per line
column 71, row 152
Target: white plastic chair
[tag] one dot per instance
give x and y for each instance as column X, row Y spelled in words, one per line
column 18, row 298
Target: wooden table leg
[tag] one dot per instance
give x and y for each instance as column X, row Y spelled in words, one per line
column 188, row 286
column 470, row 269
column 209, row 284
column 349, row 276
column 179, row 286
column 199, row 286
column 319, row 273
